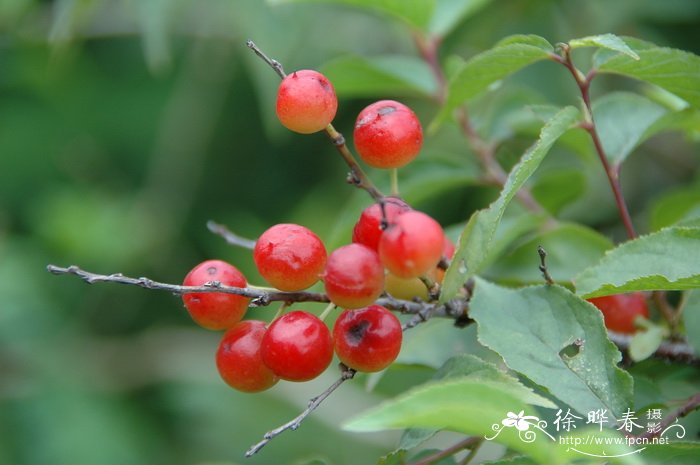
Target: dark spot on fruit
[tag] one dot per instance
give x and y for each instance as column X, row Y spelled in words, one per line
column 357, row 331
column 212, row 270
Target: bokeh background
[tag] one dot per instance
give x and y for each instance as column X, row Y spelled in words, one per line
column 126, row 125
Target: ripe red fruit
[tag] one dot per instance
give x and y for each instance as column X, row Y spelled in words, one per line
column 297, row 346
column 412, row 246
column 239, row 361
column 620, row 310
column 215, row 310
column 368, row 228
column 306, row 101
column 354, row 276
column 387, row 134
column 367, row 339
column 289, row 256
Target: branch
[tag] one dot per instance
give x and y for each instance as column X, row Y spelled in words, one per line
column 467, row 443
column 357, row 176
column 692, row 403
column 229, row 236
column 260, row 297
column 611, row 171
column 668, row 350
column 347, row 373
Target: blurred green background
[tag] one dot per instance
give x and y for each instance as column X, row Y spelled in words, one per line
column 124, row 127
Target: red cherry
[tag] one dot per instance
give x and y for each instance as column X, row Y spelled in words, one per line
column 306, row 101
column 354, row 276
column 367, row 339
column 289, row 256
column 297, row 346
column 412, row 246
column 387, row 134
column 239, row 361
column 215, row 310
column 620, row 310
column 368, row 228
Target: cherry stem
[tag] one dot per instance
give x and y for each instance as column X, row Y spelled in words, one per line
column 229, row 236
column 357, row 176
column 612, row 171
column 347, row 373
column 394, row 174
column 326, row 311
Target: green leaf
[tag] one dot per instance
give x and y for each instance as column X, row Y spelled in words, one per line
column 557, row 189
column 607, row 41
column 676, row 71
column 472, row 367
column 665, row 260
column 449, row 13
column 570, row 248
column 484, row 69
column 355, row 76
column 464, row 405
column 645, row 343
column 475, row 241
column 415, row 13
column 521, row 460
column 535, row 328
column 691, row 318
column 672, row 207
column 622, row 120
column 677, row 453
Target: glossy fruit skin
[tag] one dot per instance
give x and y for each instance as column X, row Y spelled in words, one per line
column 367, row 339
column 412, row 246
column 215, row 310
column 297, row 346
column 239, row 361
column 405, row 288
column 620, row 310
column 306, row 101
column 387, row 134
column 368, row 228
column 290, row 257
column 354, row 276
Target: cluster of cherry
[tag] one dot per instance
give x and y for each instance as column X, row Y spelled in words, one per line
column 394, row 249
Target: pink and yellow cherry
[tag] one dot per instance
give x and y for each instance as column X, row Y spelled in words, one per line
column 215, row 310
column 387, row 134
column 306, row 101
column 239, row 361
column 290, row 257
column 367, row 339
column 620, row 310
column 354, row 276
column 297, row 346
column 412, row 246
column 368, row 228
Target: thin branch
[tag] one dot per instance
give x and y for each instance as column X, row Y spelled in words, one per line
column 668, row 350
column 229, row 236
column 274, row 64
column 356, row 176
column 692, row 403
column 348, row 373
column 611, row 171
column 543, row 265
column 467, row 443
column 260, row 297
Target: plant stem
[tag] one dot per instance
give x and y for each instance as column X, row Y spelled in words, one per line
column 348, row 373
column 692, row 403
column 394, row 173
column 461, row 445
column 229, row 236
column 612, row 171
